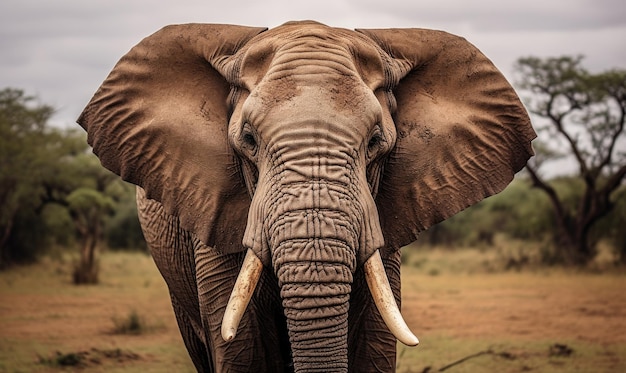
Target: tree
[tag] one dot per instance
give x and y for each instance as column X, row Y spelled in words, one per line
column 580, row 115
column 94, row 198
column 88, row 207
column 50, row 181
column 25, row 142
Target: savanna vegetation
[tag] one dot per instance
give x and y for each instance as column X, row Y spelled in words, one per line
column 470, row 314
column 64, row 220
column 580, row 115
column 54, row 193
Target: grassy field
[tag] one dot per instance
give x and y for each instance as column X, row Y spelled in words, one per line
column 46, row 323
column 469, row 316
column 541, row 320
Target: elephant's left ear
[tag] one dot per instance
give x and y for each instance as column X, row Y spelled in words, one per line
column 462, row 132
column 160, row 121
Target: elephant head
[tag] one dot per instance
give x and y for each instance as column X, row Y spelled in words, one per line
column 318, row 150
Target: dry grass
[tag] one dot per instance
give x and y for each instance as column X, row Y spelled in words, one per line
column 44, row 317
column 457, row 303
column 545, row 320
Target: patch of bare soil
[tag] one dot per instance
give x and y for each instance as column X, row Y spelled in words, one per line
column 47, row 323
column 554, row 307
column 80, row 319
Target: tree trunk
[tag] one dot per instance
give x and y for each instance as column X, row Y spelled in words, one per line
column 572, row 238
column 572, row 244
column 86, row 270
column 5, row 256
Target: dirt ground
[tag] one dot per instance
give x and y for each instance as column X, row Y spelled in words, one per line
column 47, row 324
column 527, row 321
column 545, row 322
column 584, row 307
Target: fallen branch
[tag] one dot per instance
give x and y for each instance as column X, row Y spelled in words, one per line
column 486, row 352
column 504, row 355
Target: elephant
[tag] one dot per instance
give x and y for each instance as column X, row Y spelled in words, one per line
column 279, row 172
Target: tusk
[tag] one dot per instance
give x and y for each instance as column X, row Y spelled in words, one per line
column 385, row 302
column 241, row 295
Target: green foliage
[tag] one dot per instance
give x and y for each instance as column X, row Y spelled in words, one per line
column 612, row 227
column 59, row 227
column 88, row 206
column 29, row 238
column 88, row 200
column 53, row 191
column 32, row 157
column 135, row 324
column 580, row 115
column 122, row 229
column 519, row 211
column 522, row 212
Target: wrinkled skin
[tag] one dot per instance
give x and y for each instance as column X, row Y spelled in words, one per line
column 314, row 147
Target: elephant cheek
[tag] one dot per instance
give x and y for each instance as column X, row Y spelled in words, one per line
column 371, row 235
column 255, row 237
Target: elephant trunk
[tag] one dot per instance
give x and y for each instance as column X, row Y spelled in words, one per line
column 313, row 231
column 316, row 290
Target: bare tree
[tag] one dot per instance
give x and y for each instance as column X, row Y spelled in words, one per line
column 579, row 115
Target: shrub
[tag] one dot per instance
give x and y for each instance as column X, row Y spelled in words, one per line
column 134, row 324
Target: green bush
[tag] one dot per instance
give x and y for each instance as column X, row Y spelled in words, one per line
column 123, row 230
column 29, row 238
column 134, row 324
column 519, row 211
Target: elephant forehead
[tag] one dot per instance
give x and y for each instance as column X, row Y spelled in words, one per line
column 308, row 81
column 308, row 72
column 310, row 55
column 326, row 108
column 307, row 51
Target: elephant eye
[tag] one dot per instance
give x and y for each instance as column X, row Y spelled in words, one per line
column 248, row 139
column 374, row 140
column 377, row 144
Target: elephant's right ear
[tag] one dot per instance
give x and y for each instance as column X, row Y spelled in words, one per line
column 160, row 121
column 462, row 132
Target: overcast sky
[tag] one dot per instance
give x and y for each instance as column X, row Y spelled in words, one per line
column 62, row 50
